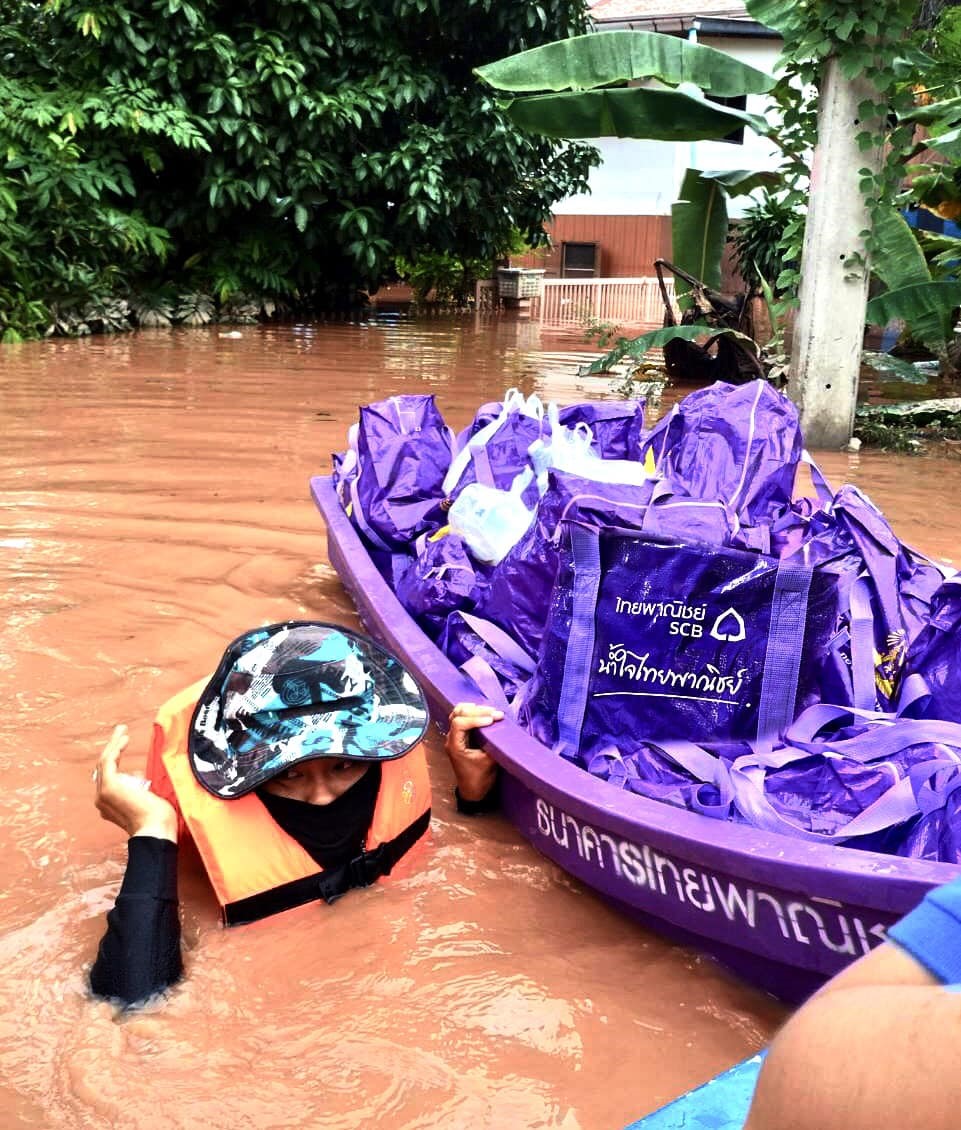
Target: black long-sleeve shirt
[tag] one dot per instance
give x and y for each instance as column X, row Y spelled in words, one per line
column 139, row 954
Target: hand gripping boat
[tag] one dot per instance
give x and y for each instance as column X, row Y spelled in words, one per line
column 785, row 914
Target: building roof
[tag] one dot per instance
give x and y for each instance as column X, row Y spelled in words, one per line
column 646, row 10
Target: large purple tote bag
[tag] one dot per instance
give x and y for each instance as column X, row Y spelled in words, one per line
column 654, row 639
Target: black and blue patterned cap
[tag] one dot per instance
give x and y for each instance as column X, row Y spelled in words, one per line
column 298, row 690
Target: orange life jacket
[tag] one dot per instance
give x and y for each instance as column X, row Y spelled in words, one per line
column 256, row 868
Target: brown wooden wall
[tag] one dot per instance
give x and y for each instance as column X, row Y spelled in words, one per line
column 628, row 244
column 628, row 247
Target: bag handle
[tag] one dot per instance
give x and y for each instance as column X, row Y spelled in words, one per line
column 861, row 630
column 357, row 513
column 896, row 805
column 483, row 676
column 705, row 767
column 782, row 657
column 462, row 459
column 930, row 795
column 823, row 490
column 575, row 685
column 499, row 641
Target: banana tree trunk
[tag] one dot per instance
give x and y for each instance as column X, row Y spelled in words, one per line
column 829, row 331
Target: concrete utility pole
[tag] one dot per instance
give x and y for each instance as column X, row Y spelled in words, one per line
column 829, row 331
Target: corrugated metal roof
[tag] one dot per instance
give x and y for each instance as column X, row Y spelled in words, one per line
column 667, row 9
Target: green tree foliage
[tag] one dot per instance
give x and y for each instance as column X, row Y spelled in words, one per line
column 288, row 150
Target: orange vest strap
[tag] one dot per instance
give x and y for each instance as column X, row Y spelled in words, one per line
column 329, row 885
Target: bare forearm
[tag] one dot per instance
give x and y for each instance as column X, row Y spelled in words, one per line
column 864, row 1057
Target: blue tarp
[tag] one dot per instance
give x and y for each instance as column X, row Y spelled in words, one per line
column 721, row 1103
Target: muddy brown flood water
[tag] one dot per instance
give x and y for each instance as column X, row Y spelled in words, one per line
column 153, row 504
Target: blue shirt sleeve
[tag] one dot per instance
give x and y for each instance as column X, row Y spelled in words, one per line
column 931, row 933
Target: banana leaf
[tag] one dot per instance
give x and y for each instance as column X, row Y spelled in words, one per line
column 895, row 369
column 928, row 308
column 944, row 111
column 779, row 15
column 660, row 115
column 699, row 229
column 741, row 182
column 589, row 61
column 943, row 251
column 900, row 262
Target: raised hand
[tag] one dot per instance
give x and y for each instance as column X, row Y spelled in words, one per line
column 125, row 799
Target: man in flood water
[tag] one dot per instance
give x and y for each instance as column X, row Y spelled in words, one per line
column 299, row 773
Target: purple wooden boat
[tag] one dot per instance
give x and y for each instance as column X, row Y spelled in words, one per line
column 782, row 913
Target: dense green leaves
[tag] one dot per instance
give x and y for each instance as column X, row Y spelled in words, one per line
column 289, row 150
column 589, row 61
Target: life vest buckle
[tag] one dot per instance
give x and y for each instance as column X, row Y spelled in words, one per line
column 363, row 871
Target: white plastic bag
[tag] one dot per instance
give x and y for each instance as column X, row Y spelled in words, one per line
column 491, row 521
column 569, row 449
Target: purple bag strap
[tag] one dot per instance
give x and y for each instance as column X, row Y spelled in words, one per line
column 809, row 724
column 357, row 513
column 913, row 689
column 932, row 796
column 894, row 806
column 578, row 663
column 462, row 459
column 878, row 743
column 483, row 471
column 782, row 659
column 863, row 690
column 822, row 488
column 706, row 768
column 751, row 431
column 701, row 764
column 483, row 676
column 406, row 415
column 500, row 642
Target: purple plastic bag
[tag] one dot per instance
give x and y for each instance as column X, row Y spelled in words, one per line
column 616, row 425
column 891, row 602
column 402, row 453
column 933, row 664
column 440, row 580
column 519, row 587
column 738, row 443
column 493, row 450
column 649, row 640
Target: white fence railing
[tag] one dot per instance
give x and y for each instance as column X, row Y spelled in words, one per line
column 576, row 301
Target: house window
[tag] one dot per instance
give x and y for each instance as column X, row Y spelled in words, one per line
column 738, row 102
column 579, row 260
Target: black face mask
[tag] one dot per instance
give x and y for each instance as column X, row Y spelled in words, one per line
column 332, row 834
